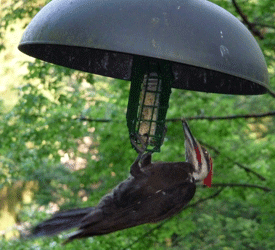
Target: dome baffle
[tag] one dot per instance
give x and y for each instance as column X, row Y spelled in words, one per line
column 208, row 48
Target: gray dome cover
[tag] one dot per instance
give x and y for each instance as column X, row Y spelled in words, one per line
column 209, row 49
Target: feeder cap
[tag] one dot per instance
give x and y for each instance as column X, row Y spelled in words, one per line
column 209, row 49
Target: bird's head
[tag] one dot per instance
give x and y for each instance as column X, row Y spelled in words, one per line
column 196, row 154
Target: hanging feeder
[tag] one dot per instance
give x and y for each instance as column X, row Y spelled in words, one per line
column 158, row 45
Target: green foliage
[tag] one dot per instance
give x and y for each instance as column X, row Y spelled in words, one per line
column 46, row 126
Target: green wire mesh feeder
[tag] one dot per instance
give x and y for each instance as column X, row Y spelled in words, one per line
column 157, row 45
column 149, row 95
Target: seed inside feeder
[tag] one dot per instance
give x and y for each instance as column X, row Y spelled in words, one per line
column 148, row 111
column 148, row 103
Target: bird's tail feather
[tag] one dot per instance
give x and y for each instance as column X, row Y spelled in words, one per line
column 60, row 222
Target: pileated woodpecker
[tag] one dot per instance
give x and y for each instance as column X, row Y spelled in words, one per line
column 153, row 192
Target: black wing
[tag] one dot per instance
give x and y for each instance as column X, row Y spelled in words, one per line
column 137, row 202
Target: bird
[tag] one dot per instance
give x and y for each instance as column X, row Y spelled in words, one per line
column 154, row 191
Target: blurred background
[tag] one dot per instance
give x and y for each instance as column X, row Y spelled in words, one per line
column 64, row 143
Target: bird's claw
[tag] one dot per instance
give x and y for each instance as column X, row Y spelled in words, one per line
column 139, row 144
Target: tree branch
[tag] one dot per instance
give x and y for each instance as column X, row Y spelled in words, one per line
column 250, row 25
column 211, row 118
column 264, row 25
column 96, row 120
column 248, row 170
column 145, row 234
column 205, row 199
column 266, row 189
column 271, row 92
